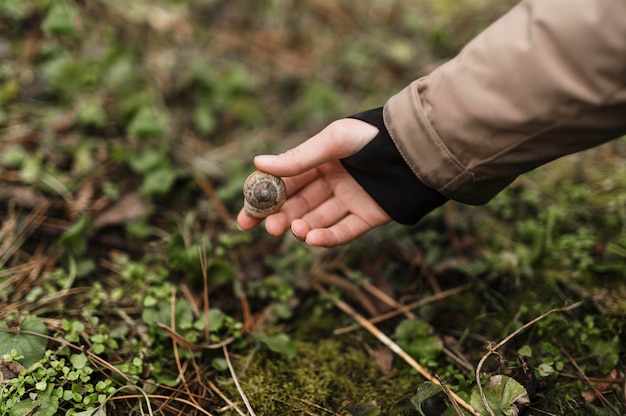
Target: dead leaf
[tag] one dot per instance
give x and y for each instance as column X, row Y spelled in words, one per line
column 63, row 122
column 21, row 196
column 603, row 384
column 129, row 208
column 9, row 370
column 171, row 21
column 82, row 201
column 384, row 359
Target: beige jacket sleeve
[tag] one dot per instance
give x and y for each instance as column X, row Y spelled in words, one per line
column 545, row 80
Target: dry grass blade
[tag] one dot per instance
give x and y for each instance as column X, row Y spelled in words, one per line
column 386, row 299
column 13, row 241
column 591, row 385
column 181, row 371
column 403, row 309
column 209, row 191
column 226, row 399
column 161, row 397
column 205, row 292
column 388, row 342
column 448, row 393
column 309, row 403
column 18, row 273
column 506, row 340
column 236, row 380
column 190, row 345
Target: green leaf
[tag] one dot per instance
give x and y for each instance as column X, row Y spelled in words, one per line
column 13, row 157
column 15, row 9
column 280, row 343
column 78, row 360
column 183, row 258
column 121, row 73
column 204, row 117
column 606, row 351
column 74, row 239
column 525, row 351
column 91, row 113
column 59, row 19
column 23, row 408
column 31, row 347
column 425, row 391
column 413, row 337
column 220, row 364
column 402, row 408
column 48, row 402
column 144, row 161
column 504, row 395
column 147, row 122
column 221, row 272
column 158, row 182
column 216, row 319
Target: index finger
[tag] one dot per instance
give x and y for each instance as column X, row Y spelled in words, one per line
column 338, row 140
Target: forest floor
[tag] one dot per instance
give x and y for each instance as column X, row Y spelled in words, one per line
column 126, row 131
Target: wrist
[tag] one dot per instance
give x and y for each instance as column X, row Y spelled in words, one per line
column 381, row 171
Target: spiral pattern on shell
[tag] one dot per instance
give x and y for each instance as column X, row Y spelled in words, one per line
column 263, row 194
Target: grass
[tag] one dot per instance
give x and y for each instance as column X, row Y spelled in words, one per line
column 125, row 288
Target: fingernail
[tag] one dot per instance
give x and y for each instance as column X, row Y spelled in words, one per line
column 296, row 235
column 265, row 158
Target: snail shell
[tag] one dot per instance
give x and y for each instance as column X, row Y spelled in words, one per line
column 263, row 194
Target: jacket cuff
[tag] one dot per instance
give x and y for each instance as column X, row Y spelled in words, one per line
column 382, row 172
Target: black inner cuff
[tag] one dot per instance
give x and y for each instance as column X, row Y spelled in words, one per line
column 382, row 172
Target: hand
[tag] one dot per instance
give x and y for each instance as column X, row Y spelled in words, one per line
column 325, row 206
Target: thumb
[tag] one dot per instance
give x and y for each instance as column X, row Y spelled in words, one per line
column 338, row 140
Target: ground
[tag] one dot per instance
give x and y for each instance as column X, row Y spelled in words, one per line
column 126, row 130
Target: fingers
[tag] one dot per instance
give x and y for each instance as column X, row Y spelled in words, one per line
column 298, row 205
column 340, row 139
column 293, row 185
column 310, row 210
column 305, row 192
column 244, row 222
column 344, row 231
column 332, row 224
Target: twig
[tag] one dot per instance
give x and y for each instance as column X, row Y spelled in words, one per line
column 386, row 299
column 322, row 276
column 392, row 346
column 205, row 292
column 389, row 301
column 32, row 221
column 217, row 203
column 239, row 389
column 190, row 345
column 591, row 385
column 162, row 397
column 181, row 372
column 492, row 349
column 309, row 403
column 402, row 309
column 249, row 323
column 448, row 393
column 9, row 276
column 226, row 399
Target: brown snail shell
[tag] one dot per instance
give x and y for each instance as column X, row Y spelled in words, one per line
column 263, row 194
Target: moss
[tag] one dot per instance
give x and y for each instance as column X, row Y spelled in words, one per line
column 328, row 373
